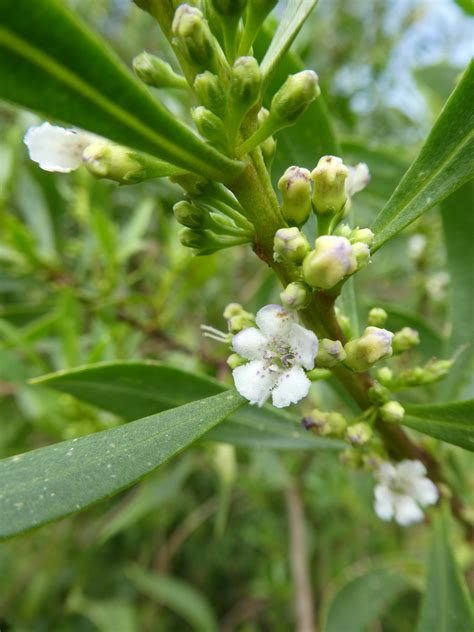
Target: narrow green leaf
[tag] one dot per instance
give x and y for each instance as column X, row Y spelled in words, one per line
column 445, row 162
column 51, row 63
column 446, row 606
column 453, row 423
column 177, row 595
column 135, row 389
column 52, row 482
column 293, row 18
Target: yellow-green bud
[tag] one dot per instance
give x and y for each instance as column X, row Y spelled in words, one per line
column 325, row 424
column 210, row 92
column 362, row 254
column 405, row 339
column 232, row 309
column 363, row 235
column 231, row 8
column 234, row 360
column 268, row 146
column 295, row 187
column 189, row 215
column 359, row 433
column 385, row 375
column 291, row 244
column 331, row 260
column 377, row 317
column 375, row 344
column 240, row 321
column 246, row 80
column 433, row 371
column 392, row 412
column 330, row 353
column 208, row 124
column 157, row 73
column 106, row 160
column 329, row 185
column 292, row 99
column 296, row 295
column 378, row 394
column 193, row 37
column 352, row 458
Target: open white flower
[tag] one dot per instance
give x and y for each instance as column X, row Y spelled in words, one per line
column 358, row 179
column 279, row 351
column 56, row 148
column 402, row 490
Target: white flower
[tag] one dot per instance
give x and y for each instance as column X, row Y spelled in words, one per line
column 358, row 179
column 279, row 351
column 56, row 148
column 402, row 490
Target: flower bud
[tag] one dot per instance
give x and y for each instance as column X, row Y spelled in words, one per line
column 189, row 215
column 234, row 360
column 210, row 92
column 329, row 191
column 208, row 124
column 362, row 254
column 377, row 317
column 433, row 371
column 232, row 309
column 157, row 73
column 374, row 345
column 193, row 37
column 385, row 375
column 330, row 261
column 392, row 412
column 296, row 295
column 352, row 458
column 359, row 433
column 291, row 244
column 106, row 160
column 245, row 83
column 240, row 321
column 292, row 99
column 268, row 146
column 325, row 424
column 363, row 235
column 378, row 394
column 231, row 8
column 405, row 339
column 295, row 187
column 330, row 353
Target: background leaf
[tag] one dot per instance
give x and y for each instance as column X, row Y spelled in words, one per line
column 41, row 70
column 60, row 479
column 453, row 423
column 445, row 163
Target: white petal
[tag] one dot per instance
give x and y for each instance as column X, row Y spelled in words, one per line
column 291, row 386
column 386, row 473
column 250, row 343
column 407, row 511
column 55, row 148
column 358, row 179
column 273, row 320
column 425, row 491
column 254, row 381
column 304, row 345
column 383, row 505
column 410, row 470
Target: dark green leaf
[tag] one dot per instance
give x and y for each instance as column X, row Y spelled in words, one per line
column 453, row 423
column 136, row 389
column 52, row 482
column 446, row 606
column 50, row 63
column 446, row 161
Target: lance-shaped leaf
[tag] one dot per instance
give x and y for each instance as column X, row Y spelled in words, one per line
column 293, row 18
column 453, row 423
column 446, row 606
column 446, row 162
column 135, row 389
column 52, row 64
column 52, row 482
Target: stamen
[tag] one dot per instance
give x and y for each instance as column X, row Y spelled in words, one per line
column 215, row 334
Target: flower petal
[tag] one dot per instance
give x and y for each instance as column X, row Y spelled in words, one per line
column 407, row 511
column 410, row 469
column 273, row 320
column 383, row 505
column 386, row 473
column 56, row 148
column 291, row 386
column 250, row 343
column 358, row 179
column 254, row 381
column 425, row 491
column 304, row 345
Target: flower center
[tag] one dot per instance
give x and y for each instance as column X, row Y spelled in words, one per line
column 279, row 355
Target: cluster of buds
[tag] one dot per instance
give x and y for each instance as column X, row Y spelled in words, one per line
column 433, row 371
column 325, row 424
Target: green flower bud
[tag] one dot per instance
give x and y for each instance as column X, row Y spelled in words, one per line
column 292, row 99
column 268, row 146
column 378, row 394
column 385, row 375
column 392, row 412
column 232, row 309
column 363, row 235
column 229, row 7
column 291, row 244
column 362, row 254
column 295, row 187
column 331, row 260
column 344, row 231
column 193, row 37
column 359, row 433
column 352, row 458
column 205, row 242
column 377, row 317
column 344, row 323
column 433, row 371
column 240, row 321
column 296, row 295
column 157, row 73
column 375, row 344
column 234, row 360
column 210, row 92
column 189, row 215
column 330, row 353
column 208, row 124
column 329, row 190
column 325, row 424
column 245, row 83
column 405, row 339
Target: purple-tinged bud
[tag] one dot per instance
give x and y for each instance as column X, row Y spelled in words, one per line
column 291, row 244
column 374, row 345
column 330, row 353
column 295, row 187
column 392, row 412
column 329, row 185
column 331, row 260
column 296, row 295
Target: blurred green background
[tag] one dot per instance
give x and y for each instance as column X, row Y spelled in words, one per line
column 92, row 272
